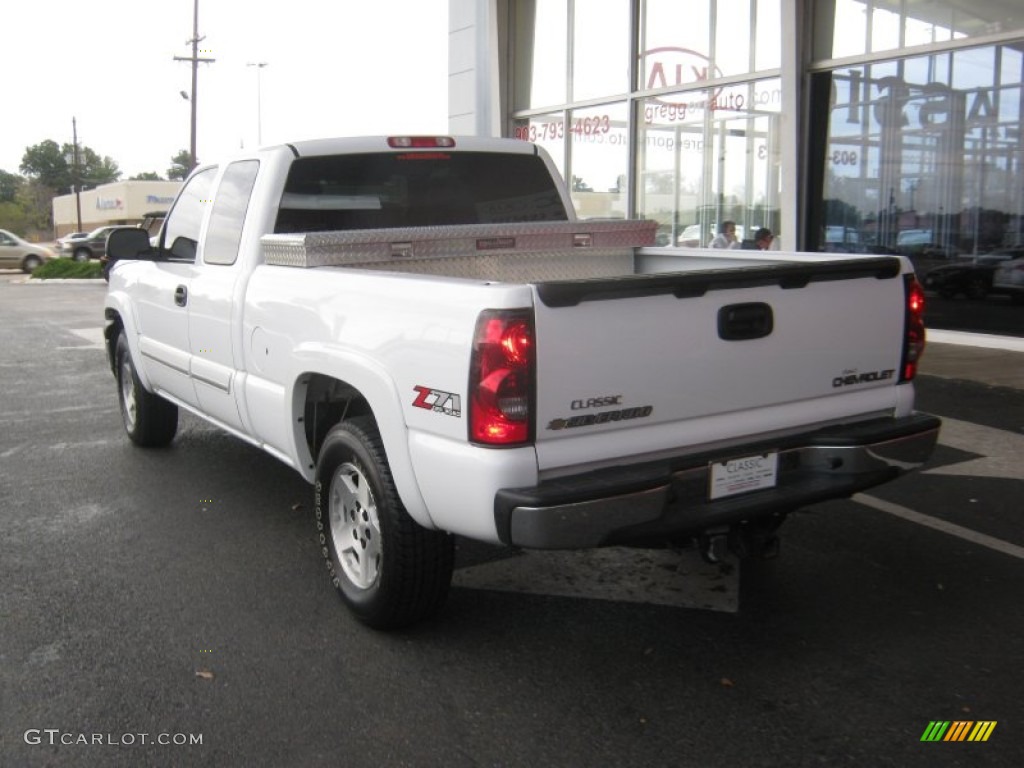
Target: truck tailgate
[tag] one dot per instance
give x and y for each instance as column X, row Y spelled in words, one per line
column 683, row 361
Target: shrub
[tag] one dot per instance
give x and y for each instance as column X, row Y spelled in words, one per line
column 68, row 269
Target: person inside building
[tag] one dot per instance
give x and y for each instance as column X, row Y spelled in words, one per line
column 763, row 239
column 726, row 237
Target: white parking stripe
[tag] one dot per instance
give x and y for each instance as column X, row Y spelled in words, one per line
column 1000, row 450
column 92, row 335
column 982, row 340
column 998, row 545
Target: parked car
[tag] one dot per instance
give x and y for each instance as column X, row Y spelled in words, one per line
column 21, row 254
column 94, row 245
column 691, row 237
column 67, row 243
column 1009, row 278
column 973, row 278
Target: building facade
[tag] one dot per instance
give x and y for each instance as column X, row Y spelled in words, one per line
column 850, row 125
column 121, row 202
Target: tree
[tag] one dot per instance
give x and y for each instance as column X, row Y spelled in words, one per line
column 9, row 185
column 147, row 176
column 93, row 169
column 54, row 167
column 45, row 164
column 181, row 164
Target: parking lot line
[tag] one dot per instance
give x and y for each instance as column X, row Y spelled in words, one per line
column 998, row 545
column 984, row 340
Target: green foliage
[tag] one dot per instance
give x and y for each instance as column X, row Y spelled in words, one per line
column 14, row 218
column 9, row 184
column 55, row 166
column 147, row 176
column 68, row 269
column 181, row 166
column 35, row 209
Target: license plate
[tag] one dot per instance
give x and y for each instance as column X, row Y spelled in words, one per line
column 742, row 475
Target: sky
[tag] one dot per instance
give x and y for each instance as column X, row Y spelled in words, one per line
column 333, row 68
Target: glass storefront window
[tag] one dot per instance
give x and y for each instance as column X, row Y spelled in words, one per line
column 855, row 27
column 546, row 130
column 925, row 156
column 710, row 156
column 541, row 72
column 599, row 161
column 685, row 43
column 600, row 50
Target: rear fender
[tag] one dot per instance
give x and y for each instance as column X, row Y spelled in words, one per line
column 377, row 387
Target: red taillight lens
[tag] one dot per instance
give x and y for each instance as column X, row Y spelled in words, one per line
column 501, row 378
column 914, row 333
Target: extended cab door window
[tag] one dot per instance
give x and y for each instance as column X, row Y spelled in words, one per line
column 181, row 230
column 225, row 231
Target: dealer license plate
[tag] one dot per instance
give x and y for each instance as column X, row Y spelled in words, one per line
column 749, row 473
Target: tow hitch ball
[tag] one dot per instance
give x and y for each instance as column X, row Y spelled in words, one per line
column 745, row 541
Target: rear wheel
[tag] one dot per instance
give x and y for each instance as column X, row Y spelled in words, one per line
column 390, row 571
column 149, row 420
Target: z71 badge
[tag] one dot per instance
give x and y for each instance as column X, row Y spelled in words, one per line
column 437, row 401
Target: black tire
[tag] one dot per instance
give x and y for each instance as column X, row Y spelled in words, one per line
column 389, row 570
column 31, row 263
column 82, row 254
column 149, row 420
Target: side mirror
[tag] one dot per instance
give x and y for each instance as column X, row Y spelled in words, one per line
column 128, row 244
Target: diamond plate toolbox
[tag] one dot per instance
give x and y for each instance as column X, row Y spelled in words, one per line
column 526, row 251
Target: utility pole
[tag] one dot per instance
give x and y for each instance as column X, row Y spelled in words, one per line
column 196, row 60
column 75, row 176
column 259, row 100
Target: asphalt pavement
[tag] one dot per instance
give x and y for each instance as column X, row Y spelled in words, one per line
column 169, row 607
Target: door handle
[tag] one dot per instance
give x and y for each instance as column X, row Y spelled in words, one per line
column 181, row 295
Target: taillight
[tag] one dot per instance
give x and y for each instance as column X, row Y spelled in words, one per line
column 420, row 142
column 913, row 334
column 501, row 378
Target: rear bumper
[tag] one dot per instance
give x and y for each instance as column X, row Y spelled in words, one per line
column 670, row 499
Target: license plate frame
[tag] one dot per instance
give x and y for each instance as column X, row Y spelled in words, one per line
column 743, row 474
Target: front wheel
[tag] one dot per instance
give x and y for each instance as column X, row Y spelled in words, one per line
column 149, row 420
column 31, row 263
column 390, row 571
column 82, row 254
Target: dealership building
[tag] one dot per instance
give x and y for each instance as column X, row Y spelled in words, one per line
column 121, row 202
column 840, row 124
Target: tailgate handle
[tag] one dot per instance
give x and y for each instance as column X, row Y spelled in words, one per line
column 742, row 322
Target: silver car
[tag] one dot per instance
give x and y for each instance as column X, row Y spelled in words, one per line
column 20, row 254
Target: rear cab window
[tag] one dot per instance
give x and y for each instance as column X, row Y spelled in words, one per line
column 412, row 189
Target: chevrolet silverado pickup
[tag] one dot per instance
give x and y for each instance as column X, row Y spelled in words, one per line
column 424, row 330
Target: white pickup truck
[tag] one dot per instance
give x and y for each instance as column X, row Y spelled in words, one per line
column 423, row 329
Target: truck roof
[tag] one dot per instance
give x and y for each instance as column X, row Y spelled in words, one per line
column 342, row 145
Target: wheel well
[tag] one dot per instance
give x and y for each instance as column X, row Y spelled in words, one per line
column 327, row 402
column 110, row 333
